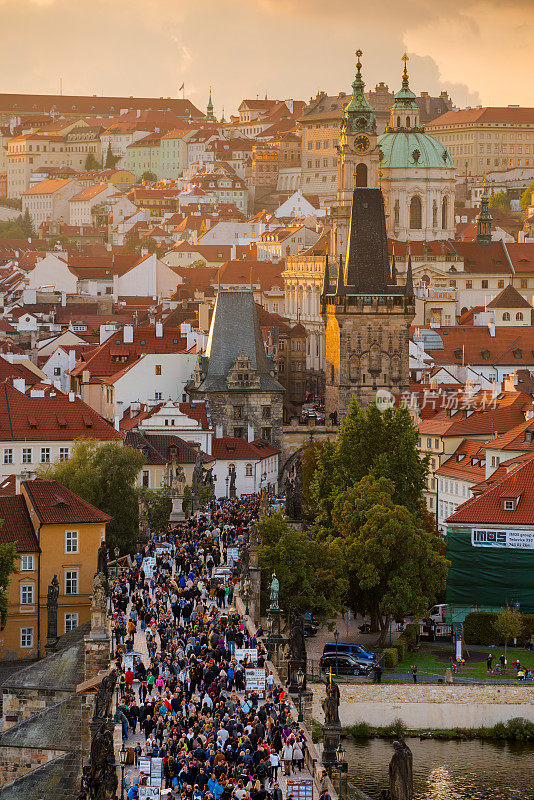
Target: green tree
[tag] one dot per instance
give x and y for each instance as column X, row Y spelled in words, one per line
column 526, row 197
column 104, row 475
column 500, row 200
column 370, row 441
column 508, row 624
column 159, row 507
column 27, row 224
column 310, row 572
column 111, row 160
column 8, row 567
column 148, row 176
column 91, row 162
column 394, row 564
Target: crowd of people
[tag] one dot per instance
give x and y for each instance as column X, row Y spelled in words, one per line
column 218, row 740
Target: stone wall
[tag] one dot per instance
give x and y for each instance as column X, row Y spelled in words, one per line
column 21, row 704
column 221, row 406
column 17, row 761
column 429, row 706
column 97, row 656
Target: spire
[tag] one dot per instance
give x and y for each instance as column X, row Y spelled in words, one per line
column 484, row 220
column 393, row 268
column 210, row 117
column 405, row 98
column 405, row 80
column 359, row 115
column 408, row 290
column 222, row 118
column 326, row 279
column 340, row 286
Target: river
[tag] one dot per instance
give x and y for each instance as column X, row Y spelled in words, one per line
column 447, row 770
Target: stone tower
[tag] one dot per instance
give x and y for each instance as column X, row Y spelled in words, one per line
column 358, row 158
column 367, row 316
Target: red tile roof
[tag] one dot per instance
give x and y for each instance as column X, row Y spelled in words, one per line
column 508, row 298
column 468, row 462
column 479, row 415
column 516, row 438
column 56, row 419
column 54, row 503
column 484, row 114
column 472, row 345
column 230, row 448
column 487, row 508
column 477, row 258
column 265, row 273
column 17, row 527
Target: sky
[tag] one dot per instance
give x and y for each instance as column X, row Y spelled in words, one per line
column 480, row 51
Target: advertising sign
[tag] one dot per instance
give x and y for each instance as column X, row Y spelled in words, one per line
column 251, row 653
column 149, row 793
column 301, row 788
column 255, row 679
column 520, row 540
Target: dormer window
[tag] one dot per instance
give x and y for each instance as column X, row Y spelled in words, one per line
column 517, row 353
column 458, row 353
column 485, row 355
column 509, row 503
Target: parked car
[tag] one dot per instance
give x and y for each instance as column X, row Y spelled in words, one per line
column 344, row 664
column 309, row 629
column 311, row 618
column 354, row 649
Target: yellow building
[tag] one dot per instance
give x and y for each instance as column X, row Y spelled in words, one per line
column 56, row 533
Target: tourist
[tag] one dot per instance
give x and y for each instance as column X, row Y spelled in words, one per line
column 489, row 662
column 414, row 673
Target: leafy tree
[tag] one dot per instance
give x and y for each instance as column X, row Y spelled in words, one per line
column 111, row 160
column 159, row 507
column 394, row 564
column 508, row 624
column 8, row 567
column 526, row 197
column 148, row 176
column 310, row 571
column 370, row 441
column 27, row 224
column 104, row 475
column 91, row 162
column 500, row 200
column 309, row 460
column 150, row 244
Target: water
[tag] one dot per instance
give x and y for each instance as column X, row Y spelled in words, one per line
column 447, row 770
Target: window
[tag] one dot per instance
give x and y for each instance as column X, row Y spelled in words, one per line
column 238, row 433
column 26, row 563
column 238, row 412
column 416, row 213
column 157, row 369
column 248, row 470
column 57, row 370
column 71, row 541
column 436, row 444
column 146, row 478
column 8, row 455
column 266, row 434
column 63, row 453
column 524, row 283
column 45, row 455
column 158, row 395
column 71, row 622
column 500, row 284
column 26, row 637
column 484, row 284
column 71, row 581
column 506, row 317
column 469, row 284
column 429, row 444
column 26, row 595
column 519, row 316
column 266, row 412
column 509, row 505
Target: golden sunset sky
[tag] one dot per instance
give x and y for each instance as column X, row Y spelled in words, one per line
column 481, row 51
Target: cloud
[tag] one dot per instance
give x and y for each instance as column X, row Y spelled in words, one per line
column 434, row 83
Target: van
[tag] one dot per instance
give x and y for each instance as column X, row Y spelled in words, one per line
column 438, row 613
column 354, row 649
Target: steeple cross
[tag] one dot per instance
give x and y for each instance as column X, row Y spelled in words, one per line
column 359, row 54
column 405, row 58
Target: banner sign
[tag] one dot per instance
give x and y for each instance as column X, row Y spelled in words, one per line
column 241, row 653
column 255, row 679
column 520, row 540
column 149, row 793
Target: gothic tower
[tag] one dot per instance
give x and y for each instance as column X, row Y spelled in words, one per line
column 367, row 316
column 358, row 157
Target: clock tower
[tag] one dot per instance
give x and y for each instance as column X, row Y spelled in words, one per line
column 358, row 158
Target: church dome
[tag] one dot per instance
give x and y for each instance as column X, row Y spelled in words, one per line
column 415, row 149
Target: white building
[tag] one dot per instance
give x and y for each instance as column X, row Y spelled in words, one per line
column 49, row 200
column 52, row 274
column 186, row 420
column 82, row 203
column 150, row 277
column 255, row 463
column 298, row 206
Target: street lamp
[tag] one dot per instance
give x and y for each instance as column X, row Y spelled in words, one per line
column 336, row 637
column 340, row 755
column 246, row 588
column 269, row 639
column 110, row 618
column 227, row 482
column 123, row 756
column 300, row 684
column 117, row 551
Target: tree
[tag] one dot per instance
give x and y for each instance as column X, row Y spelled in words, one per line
column 91, row 162
column 370, row 441
column 393, row 563
column 26, row 223
column 526, row 197
column 508, row 624
column 8, row 567
column 148, row 176
column 104, row 474
column 310, row 572
column 111, row 160
column 159, row 507
column 500, row 200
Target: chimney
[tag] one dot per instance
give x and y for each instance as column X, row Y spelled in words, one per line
column 233, row 252
column 250, row 433
column 19, row 384
column 127, row 334
column 86, row 376
column 218, row 431
column 71, row 397
column 72, row 359
column 63, row 299
column 159, row 330
column 117, row 421
column 491, row 329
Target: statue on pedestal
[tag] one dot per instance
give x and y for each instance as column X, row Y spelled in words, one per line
column 275, row 588
column 297, row 644
column 209, row 483
column 401, row 772
column 331, row 703
column 99, row 605
column 99, row 779
column 104, row 696
column 102, row 561
column 232, row 474
column 51, row 612
column 196, row 480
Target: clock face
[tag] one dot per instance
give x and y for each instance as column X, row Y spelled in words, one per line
column 361, row 143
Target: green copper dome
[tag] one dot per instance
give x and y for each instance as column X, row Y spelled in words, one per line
column 359, row 114
column 415, row 149
column 405, row 98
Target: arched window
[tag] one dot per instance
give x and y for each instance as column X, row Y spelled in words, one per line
column 407, row 122
column 434, row 214
column 519, row 316
column 361, row 175
column 230, row 466
column 398, row 122
column 415, row 213
column 425, row 279
column 248, row 470
column 396, row 213
column 444, row 212
column 506, row 317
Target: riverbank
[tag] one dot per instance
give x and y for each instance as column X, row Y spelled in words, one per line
column 515, row 730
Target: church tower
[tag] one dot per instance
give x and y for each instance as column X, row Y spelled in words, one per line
column 210, row 116
column 358, row 157
column 367, row 316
